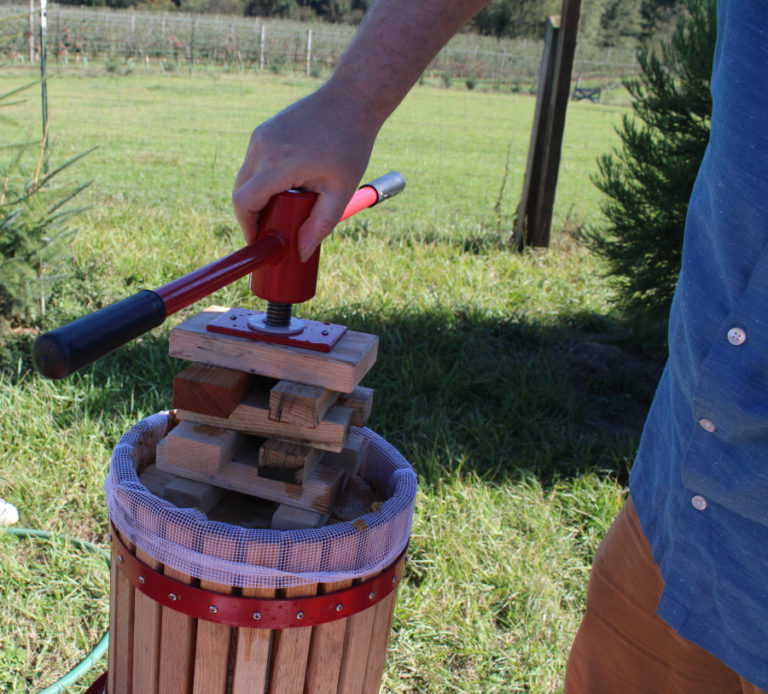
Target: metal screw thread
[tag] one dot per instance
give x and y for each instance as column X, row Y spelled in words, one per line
column 278, row 315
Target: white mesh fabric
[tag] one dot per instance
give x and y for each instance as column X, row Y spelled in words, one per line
column 187, row 541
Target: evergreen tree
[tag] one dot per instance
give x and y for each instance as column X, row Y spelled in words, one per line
column 620, row 22
column 649, row 179
column 513, row 18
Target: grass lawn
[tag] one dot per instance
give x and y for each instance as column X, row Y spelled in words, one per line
column 504, row 378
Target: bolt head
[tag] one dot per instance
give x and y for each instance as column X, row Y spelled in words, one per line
column 213, row 609
column 172, row 596
column 120, row 558
column 141, row 580
column 339, row 607
column 299, row 615
column 371, row 595
column 257, row 615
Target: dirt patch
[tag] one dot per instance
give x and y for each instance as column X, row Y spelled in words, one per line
column 619, row 384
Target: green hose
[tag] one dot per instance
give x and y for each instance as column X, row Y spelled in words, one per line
column 100, row 648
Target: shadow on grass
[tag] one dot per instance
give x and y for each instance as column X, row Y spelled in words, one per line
column 471, row 392
column 455, row 391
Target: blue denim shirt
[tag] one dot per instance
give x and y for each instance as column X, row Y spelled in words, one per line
column 700, row 479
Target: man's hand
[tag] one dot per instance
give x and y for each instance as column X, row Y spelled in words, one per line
column 320, row 144
column 323, row 142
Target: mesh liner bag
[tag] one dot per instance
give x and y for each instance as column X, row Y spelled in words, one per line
column 187, row 541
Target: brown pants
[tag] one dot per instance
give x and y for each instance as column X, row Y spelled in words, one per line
column 622, row 647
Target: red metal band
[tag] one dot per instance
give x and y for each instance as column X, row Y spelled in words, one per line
column 264, row 613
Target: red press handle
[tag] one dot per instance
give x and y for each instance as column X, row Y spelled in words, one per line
column 62, row 351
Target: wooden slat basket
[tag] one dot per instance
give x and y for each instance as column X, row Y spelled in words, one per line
column 185, row 621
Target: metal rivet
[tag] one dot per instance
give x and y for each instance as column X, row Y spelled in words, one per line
column 324, row 332
column 371, row 595
column 257, row 615
column 394, row 578
column 299, row 615
column 213, row 609
column 120, row 558
column 172, row 596
column 141, row 580
column 339, row 607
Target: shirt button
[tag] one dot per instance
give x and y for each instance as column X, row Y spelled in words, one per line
column 737, row 336
column 707, row 425
column 699, row 503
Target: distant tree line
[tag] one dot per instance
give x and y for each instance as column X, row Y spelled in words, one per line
column 604, row 22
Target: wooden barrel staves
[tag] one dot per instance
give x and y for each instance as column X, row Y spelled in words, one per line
column 200, row 607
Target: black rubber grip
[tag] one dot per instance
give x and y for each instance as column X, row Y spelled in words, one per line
column 388, row 185
column 63, row 351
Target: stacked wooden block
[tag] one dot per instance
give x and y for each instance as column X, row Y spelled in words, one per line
column 269, row 421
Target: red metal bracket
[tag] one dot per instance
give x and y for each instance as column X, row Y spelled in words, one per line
column 264, row 613
column 315, row 335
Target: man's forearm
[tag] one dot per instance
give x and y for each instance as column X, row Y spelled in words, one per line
column 393, row 46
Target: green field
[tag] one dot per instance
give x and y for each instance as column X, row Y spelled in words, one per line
column 504, row 378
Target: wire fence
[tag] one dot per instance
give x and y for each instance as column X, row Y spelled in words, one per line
column 128, row 40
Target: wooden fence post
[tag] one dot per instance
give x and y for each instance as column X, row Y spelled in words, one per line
column 263, row 45
column 534, row 213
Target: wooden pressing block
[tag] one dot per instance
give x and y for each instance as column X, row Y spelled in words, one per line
column 243, row 510
column 298, row 403
column 252, row 417
column 210, row 390
column 318, row 491
column 356, row 500
column 341, row 369
column 292, row 518
column 154, row 479
column 349, row 459
column 360, row 401
column 287, row 460
column 201, row 447
column 186, row 493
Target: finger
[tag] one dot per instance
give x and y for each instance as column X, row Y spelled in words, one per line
column 250, row 198
column 324, row 217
